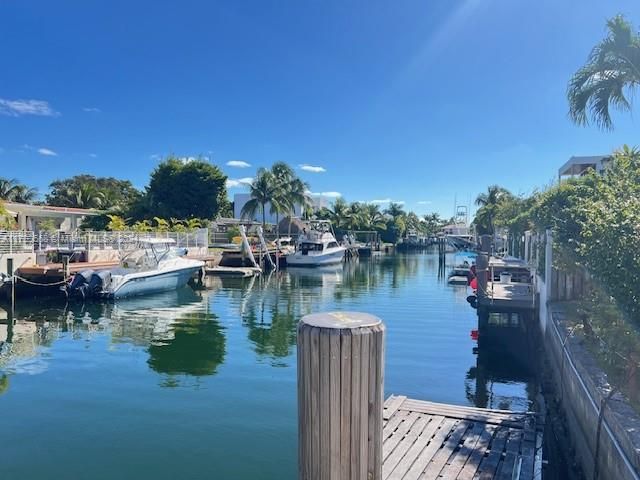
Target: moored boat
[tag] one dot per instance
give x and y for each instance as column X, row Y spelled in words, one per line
column 155, row 266
column 317, row 247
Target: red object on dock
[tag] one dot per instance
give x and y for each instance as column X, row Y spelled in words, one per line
column 474, row 284
column 474, row 335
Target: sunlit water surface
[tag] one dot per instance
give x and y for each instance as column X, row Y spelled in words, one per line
column 202, row 384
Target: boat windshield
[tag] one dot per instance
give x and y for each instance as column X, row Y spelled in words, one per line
column 310, row 247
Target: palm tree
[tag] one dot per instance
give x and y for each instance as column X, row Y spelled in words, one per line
column 338, row 214
column 611, row 73
column 291, row 192
column 24, row 194
column 373, row 218
column 262, row 191
column 87, row 195
column 395, row 210
column 489, row 203
column 13, row 191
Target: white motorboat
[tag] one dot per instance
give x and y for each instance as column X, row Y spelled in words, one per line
column 317, row 247
column 155, row 266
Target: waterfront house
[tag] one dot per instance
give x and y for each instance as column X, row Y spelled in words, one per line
column 578, row 166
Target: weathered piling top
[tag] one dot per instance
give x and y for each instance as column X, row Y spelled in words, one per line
column 425, row 440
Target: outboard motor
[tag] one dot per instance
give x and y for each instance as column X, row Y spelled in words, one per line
column 98, row 282
column 79, row 286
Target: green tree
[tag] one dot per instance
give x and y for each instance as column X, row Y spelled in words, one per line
column 489, row 203
column 88, row 191
column 373, row 218
column 186, row 189
column 263, row 190
column 608, row 78
column 433, row 223
column 13, row 191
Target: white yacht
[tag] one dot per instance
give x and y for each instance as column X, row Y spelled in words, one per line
column 155, row 266
column 317, row 247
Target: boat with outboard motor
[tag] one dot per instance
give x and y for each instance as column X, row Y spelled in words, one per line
column 156, row 265
column 317, row 247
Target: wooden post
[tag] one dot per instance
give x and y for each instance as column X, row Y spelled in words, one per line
column 340, row 396
column 485, row 243
column 482, row 274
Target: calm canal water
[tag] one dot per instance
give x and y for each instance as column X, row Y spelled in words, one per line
column 202, row 384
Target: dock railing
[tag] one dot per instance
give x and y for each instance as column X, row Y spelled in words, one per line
column 19, row 241
column 124, row 240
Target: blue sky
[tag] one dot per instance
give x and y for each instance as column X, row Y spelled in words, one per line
column 413, row 101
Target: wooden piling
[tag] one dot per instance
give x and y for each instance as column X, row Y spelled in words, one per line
column 340, row 396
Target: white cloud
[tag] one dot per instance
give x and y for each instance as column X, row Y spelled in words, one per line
column 312, row 168
column 384, row 201
column 91, row 110
column 238, row 164
column 325, row 194
column 17, row 108
column 425, row 202
column 239, row 182
column 93, row 155
column 47, row 152
column 155, row 156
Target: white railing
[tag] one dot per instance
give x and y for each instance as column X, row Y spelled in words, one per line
column 91, row 240
column 16, row 242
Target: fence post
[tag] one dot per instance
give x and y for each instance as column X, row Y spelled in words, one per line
column 548, row 263
column 340, row 396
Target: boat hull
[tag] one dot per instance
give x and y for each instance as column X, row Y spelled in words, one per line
column 140, row 284
column 330, row 258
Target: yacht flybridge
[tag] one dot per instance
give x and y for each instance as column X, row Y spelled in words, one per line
column 156, row 265
column 317, row 247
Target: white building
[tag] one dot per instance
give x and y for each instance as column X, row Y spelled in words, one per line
column 240, row 200
column 578, row 166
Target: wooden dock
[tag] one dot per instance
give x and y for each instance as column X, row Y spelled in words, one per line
column 240, row 272
column 511, row 296
column 425, row 440
column 57, row 269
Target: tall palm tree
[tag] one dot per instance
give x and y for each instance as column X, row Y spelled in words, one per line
column 290, row 192
column 338, row 214
column 608, row 78
column 262, row 191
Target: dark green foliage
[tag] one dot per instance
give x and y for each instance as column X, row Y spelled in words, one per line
column 185, row 190
column 88, row 191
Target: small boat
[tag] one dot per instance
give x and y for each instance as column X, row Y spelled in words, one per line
column 460, row 275
column 317, row 247
column 154, row 266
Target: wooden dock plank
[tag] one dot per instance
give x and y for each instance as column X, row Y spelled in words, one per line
column 489, row 464
column 391, row 405
column 423, row 449
column 459, row 458
column 389, row 446
column 404, row 445
column 448, row 450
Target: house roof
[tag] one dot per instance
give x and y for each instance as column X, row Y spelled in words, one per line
column 578, row 165
column 48, row 211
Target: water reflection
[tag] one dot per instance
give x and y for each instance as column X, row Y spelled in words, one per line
column 180, row 334
column 504, row 363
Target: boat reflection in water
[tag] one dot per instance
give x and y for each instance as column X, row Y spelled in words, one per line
column 180, row 334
